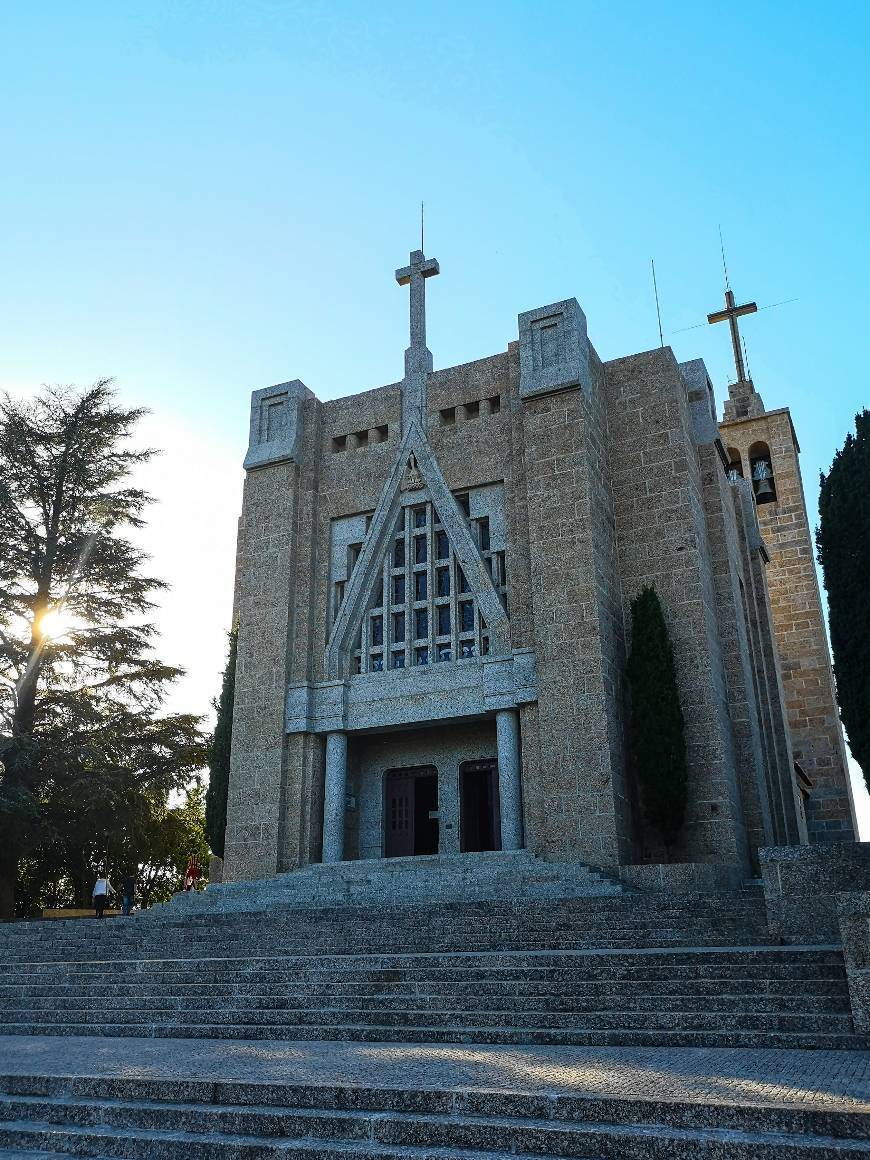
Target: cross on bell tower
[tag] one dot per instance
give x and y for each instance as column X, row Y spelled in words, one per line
column 743, row 397
column 418, row 358
column 730, row 314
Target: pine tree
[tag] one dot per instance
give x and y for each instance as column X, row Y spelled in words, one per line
column 843, row 542
column 219, row 755
column 80, row 687
column 656, row 736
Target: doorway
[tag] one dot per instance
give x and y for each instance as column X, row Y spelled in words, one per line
column 410, row 801
column 480, row 806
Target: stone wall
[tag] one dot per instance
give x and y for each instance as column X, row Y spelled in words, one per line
column 571, row 555
column 801, row 884
column 853, row 916
column 744, row 710
column 801, row 639
column 663, row 542
column 264, row 607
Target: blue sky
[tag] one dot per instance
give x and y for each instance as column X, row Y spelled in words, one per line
column 206, row 198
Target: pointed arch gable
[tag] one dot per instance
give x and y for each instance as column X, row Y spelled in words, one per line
column 417, row 466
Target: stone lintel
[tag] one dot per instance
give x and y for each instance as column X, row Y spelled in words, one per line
column 276, row 424
column 554, row 349
column 415, row 696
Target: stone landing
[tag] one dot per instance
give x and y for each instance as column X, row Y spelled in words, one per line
column 494, row 875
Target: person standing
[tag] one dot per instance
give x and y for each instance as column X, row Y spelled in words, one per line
column 128, row 891
column 191, row 877
column 102, row 889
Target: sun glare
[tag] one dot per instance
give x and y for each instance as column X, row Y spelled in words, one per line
column 55, row 624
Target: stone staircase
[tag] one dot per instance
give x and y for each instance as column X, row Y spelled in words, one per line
column 645, row 970
column 160, row 1119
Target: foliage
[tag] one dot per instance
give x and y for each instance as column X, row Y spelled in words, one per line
column 219, row 754
column 656, row 736
column 161, row 851
column 155, row 848
column 843, row 541
column 86, row 749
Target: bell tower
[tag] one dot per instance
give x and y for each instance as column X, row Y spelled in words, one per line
column 762, row 447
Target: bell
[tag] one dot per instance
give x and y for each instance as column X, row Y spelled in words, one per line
column 764, row 492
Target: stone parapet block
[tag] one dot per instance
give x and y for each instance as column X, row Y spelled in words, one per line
column 683, row 877
column 853, row 919
column 801, row 884
column 554, row 349
column 276, row 424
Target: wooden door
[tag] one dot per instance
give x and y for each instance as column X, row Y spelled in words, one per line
column 399, row 815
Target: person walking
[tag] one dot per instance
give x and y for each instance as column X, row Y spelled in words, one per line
column 102, row 889
column 128, row 891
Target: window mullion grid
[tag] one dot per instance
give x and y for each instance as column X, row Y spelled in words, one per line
column 365, row 643
column 410, row 627
column 387, row 609
column 432, row 615
column 453, row 572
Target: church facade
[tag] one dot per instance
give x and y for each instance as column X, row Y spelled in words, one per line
column 433, row 597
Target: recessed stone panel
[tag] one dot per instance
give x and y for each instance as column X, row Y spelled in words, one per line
column 554, row 349
column 276, row 420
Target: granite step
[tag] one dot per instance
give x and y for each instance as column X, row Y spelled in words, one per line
column 156, row 1090
column 622, row 921
column 289, row 1021
column 420, row 1125
column 834, row 1004
column 663, row 993
column 356, row 1033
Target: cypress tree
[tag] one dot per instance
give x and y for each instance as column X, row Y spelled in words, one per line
column 843, row 542
column 219, row 755
column 656, row 735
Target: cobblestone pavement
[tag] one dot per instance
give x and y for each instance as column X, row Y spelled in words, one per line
column 825, row 1079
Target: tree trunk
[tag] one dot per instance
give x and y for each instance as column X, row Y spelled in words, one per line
column 8, row 875
column 81, row 877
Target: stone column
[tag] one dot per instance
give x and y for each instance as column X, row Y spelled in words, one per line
column 507, row 730
column 334, row 797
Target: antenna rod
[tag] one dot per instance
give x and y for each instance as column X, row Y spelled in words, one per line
column 658, row 311
column 422, row 247
column 724, row 264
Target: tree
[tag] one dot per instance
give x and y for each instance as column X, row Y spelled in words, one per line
column 219, row 754
column 105, row 797
column 80, row 688
column 843, row 543
column 160, row 852
column 657, row 741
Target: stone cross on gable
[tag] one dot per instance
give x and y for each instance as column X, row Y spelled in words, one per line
column 415, row 275
column 418, row 359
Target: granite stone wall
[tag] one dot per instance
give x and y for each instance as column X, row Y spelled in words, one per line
column 744, row 710
column 801, row 884
column 663, row 541
column 853, row 920
column 265, row 604
column 582, row 813
column 798, row 619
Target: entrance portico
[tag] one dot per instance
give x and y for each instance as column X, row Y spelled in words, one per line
column 424, row 790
